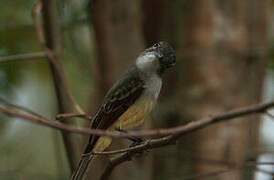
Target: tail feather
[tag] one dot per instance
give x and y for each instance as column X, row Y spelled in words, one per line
column 87, row 156
column 82, row 167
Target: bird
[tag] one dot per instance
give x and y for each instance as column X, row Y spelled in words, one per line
column 129, row 101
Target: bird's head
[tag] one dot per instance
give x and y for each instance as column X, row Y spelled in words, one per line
column 157, row 58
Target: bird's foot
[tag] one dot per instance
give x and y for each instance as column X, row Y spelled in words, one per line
column 135, row 140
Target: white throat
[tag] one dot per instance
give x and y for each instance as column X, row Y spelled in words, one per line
column 153, row 86
column 147, row 63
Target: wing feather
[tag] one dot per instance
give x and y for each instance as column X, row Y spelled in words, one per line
column 119, row 98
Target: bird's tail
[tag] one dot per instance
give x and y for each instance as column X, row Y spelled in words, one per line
column 87, row 156
column 82, row 167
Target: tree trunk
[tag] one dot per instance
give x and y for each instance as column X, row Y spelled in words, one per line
column 221, row 38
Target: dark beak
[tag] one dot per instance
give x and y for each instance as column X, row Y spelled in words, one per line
column 172, row 60
column 159, row 55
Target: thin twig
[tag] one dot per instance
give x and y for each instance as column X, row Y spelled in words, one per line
column 62, row 117
column 43, row 121
column 19, row 108
column 37, row 21
column 19, row 57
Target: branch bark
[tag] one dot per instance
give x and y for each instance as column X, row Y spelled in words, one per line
column 176, row 131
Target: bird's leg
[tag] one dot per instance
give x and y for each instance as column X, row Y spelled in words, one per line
column 135, row 140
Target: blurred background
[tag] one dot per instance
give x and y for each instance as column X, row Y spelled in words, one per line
column 225, row 60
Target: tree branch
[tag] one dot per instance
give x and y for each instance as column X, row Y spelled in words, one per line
column 48, row 29
column 230, row 166
column 170, row 134
column 115, row 162
column 26, row 56
column 178, row 132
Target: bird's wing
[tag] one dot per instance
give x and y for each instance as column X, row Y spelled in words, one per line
column 119, row 98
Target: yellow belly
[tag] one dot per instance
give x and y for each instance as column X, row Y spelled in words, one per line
column 135, row 115
column 132, row 118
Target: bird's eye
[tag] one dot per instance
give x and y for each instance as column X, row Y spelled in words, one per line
column 156, row 45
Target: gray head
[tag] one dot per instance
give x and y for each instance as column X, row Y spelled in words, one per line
column 157, row 58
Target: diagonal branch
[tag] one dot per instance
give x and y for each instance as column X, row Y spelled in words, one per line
column 18, row 108
column 115, row 162
column 48, row 29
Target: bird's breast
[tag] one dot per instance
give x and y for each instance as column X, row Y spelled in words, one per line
column 153, row 86
column 136, row 114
